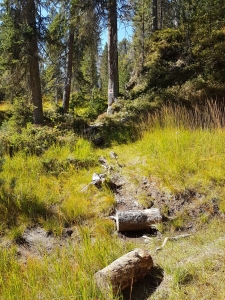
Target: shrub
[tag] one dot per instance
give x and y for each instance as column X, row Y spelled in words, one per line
column 33, row 139
column 88, row 106
column 22, row 113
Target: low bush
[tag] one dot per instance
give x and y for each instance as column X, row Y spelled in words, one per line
column 88, row 106
column 34, row 139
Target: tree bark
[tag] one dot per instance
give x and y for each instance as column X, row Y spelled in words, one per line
column 154, row 15
column 124, row 271
column 176, row 20
column 67, row 88
column 33, row 62
column 113, row 83
column 142, row 38
column 137, row 219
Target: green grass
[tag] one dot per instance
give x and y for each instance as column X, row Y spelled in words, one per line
column 31, row 185
column 194, row 267
column 65, row 274
column 49, row 190
column 180, row 159
column 5, row 106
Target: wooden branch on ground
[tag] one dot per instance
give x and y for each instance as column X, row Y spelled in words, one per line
column 124, row 271
column 133, row 220
column 172, row 238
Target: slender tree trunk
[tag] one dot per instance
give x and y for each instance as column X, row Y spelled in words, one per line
column 67, row 88
column 33, row 62
column 113, row 83
column 143, row 37
column 154, row 15
column 161, row 14
column 176, row 20
column 189, row 46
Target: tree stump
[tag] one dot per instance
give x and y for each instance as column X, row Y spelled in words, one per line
column 124, row 271
column 133, row 220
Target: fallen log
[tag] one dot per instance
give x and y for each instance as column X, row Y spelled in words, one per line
column 124, row 271
column 133, row 220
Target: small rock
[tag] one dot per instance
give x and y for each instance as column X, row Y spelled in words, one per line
column 98, row 179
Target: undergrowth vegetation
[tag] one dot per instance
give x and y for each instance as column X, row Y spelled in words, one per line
column 183, row 148
column 175, row 71
column 178, row 147
column 65, row 274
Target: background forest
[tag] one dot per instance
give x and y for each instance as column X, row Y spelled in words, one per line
column 156, row 98
column 52, row 56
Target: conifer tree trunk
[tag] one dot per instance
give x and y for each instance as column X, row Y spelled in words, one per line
column 113, row 83
column 161, row 6
column 154, row 15
column 142, row 37
column 176, row 20
column 33, row 61
column 67, row 88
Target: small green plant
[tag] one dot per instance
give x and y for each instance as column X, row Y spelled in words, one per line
column 17, row 232
column 22, row 113
column 182, row 276
column 88, row 106
column 204, row 218
column 177, row 223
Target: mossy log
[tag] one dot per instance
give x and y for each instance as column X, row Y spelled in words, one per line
column 124, row 271
column 133, row 220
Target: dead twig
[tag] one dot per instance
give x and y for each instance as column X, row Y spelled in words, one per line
column 172, row 238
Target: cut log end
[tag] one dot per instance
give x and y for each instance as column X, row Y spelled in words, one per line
column 137, row 219
column 124, row 271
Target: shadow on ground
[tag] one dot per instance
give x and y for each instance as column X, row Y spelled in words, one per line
column 144, row 288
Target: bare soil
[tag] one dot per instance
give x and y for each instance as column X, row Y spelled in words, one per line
column 188, row 205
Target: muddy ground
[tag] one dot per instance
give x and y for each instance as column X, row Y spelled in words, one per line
column 181, row 212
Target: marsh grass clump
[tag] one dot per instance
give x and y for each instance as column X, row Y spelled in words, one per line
column 31, row 186
column 66, row 273
column 182, row 276
column 181, row 155
column 207, row 115
column 16, row 207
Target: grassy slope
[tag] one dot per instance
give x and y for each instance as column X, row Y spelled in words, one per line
column 194, row 267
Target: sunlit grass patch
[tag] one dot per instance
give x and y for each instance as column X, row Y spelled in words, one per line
column 54, row 190
column 104, row 202
column 65, row 274
column 82, row 200
column 32, row 186
column 180, row 159
column 5, row 106
column 58, row 159
column 193, row 266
